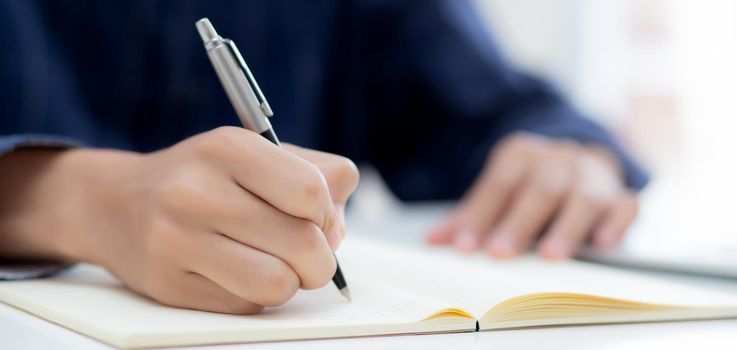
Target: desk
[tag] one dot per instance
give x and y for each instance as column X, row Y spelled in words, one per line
column 405, row 225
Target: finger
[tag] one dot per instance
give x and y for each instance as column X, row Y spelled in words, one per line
column 342, row 177
column 442, row 233
column 244, row 271
column 283, row 179
column 532, row 209
column 192, row 291
column 300, row 243
column 486, row 199
column 335, row 240
column 616, row 221
column 340, row 172
column 571, row 227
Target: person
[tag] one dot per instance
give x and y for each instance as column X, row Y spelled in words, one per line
column 121, row 149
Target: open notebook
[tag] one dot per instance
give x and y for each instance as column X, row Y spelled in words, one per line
column 395, row 290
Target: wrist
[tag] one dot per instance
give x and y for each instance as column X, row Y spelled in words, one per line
column 97, row 199
column 25, row 226
column 48, row 207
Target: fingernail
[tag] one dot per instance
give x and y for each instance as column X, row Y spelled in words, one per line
column 504, row 244
column 340, row 211
column 466, row 241
column 334, row 237
column 442, row 233
column 336, row 234
column 437, row 235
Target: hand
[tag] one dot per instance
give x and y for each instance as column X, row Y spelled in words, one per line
column 224, row 221
column 531, row 186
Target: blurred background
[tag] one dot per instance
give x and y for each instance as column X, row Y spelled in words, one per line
column 661, row 74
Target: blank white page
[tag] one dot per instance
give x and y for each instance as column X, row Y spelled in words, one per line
column 476, row 282
column 89, row 300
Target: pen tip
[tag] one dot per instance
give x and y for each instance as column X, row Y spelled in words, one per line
column 346, row 293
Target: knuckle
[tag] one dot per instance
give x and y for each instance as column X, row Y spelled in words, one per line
column 218, row 138
column 282, row 286
column 348, row 172
column 177, row 194
column 227, row 133
column 311, row 240
column 213, row 143
column 502, row 165
column 550, row 186
column 313, row 183
column 517, row 149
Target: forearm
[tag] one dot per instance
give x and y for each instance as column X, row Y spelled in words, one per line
column 458, row 90
column 25, row 266
column 45, row 202
column 28, row 176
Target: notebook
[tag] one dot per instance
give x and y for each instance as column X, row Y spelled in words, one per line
column 395, row 291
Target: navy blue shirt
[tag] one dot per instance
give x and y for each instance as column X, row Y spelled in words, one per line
column 416, row 88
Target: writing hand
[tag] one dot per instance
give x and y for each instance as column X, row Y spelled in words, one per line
column 224, row 221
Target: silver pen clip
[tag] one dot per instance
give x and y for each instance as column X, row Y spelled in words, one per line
column 249, row 77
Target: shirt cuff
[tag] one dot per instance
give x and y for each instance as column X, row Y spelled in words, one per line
column 588, row 132
column 17, row 270
column 9, row 143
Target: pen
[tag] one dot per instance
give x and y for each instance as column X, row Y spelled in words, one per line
column 243, row 92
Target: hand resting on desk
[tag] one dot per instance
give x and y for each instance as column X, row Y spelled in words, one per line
column 224, row 221
column 531, row 186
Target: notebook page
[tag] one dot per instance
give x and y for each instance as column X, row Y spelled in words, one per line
column 87, row 299
column 476, row 282
column 425, row 272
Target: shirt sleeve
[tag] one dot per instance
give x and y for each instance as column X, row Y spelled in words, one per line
column 447, row 96
column 16, row 270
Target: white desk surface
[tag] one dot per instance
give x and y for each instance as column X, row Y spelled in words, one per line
column 19, row 330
